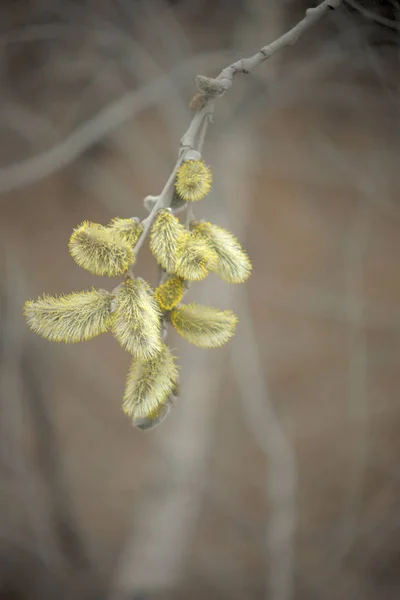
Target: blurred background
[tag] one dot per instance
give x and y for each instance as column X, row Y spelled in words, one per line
column 276, row 475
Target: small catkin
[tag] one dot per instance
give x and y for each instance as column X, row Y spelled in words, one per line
column 149, row 385
column 170, row 293
column 71, row 318
column 232, row 264
column 128, row 229
column 204, row 326
column 195, row 258
column 166, row 235
column 135, row 323
column 99, row 250
column 193, row 180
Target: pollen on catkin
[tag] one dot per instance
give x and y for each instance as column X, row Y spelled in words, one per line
column 195, row 258
column 149, row 385
column 167, row 233
column 135, row 323
column 232, row 264
column 193, row 180
column 170, row 293
column 204, row 326
column 129, row 229
column 71, row 318
column 99, row 250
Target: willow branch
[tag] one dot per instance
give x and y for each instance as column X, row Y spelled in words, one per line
column 209, row 89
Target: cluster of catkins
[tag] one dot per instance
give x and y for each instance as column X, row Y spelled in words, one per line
column 133, row 312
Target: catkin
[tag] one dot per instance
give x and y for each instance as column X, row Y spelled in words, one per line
column 232, row 264
column 135, row 322
column 99, row 250
column 170, row 293
column 195, row 258
column 204, row 326
column 193, row 180
column 166, row 236
column 129, row 229
column 71, row 318
column 149, row 385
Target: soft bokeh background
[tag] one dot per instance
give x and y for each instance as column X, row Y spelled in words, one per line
column 276, row 476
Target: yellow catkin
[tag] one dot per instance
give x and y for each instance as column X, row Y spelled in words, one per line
column 71, row 318
column 204, row 326
column 129, row 229
column 193, row 180
column 99, row 250
column 232, row 264
column 135, row 322
column 170, row 293
column 149, row 386
column 195, row 258
column 166, row 235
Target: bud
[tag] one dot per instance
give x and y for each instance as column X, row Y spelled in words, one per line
column 198, row 101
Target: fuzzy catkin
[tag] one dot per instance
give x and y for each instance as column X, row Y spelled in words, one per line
column 232, row 264
column 149, row 385
column 167, row 234
column 135, row 323
column 129, row 229
column 204, row 326
column 195, row 258
column 193, row 180
column 170, row 293
column 99, row 250
column 71, row 318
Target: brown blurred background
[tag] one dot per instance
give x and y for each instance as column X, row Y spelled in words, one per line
column 276, row 476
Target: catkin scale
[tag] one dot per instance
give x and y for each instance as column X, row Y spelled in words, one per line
column 195, row 258
column 203, row 326
column 135, row 323
column 129, row 229
column 170, row 293
column 166, row 235
column 71, row 318
column 99, row 250
column 154, row 418
column 232, row 263
column 149, row 385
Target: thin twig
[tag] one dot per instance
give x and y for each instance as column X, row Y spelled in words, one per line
column 193, row 138
column 372, row 16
